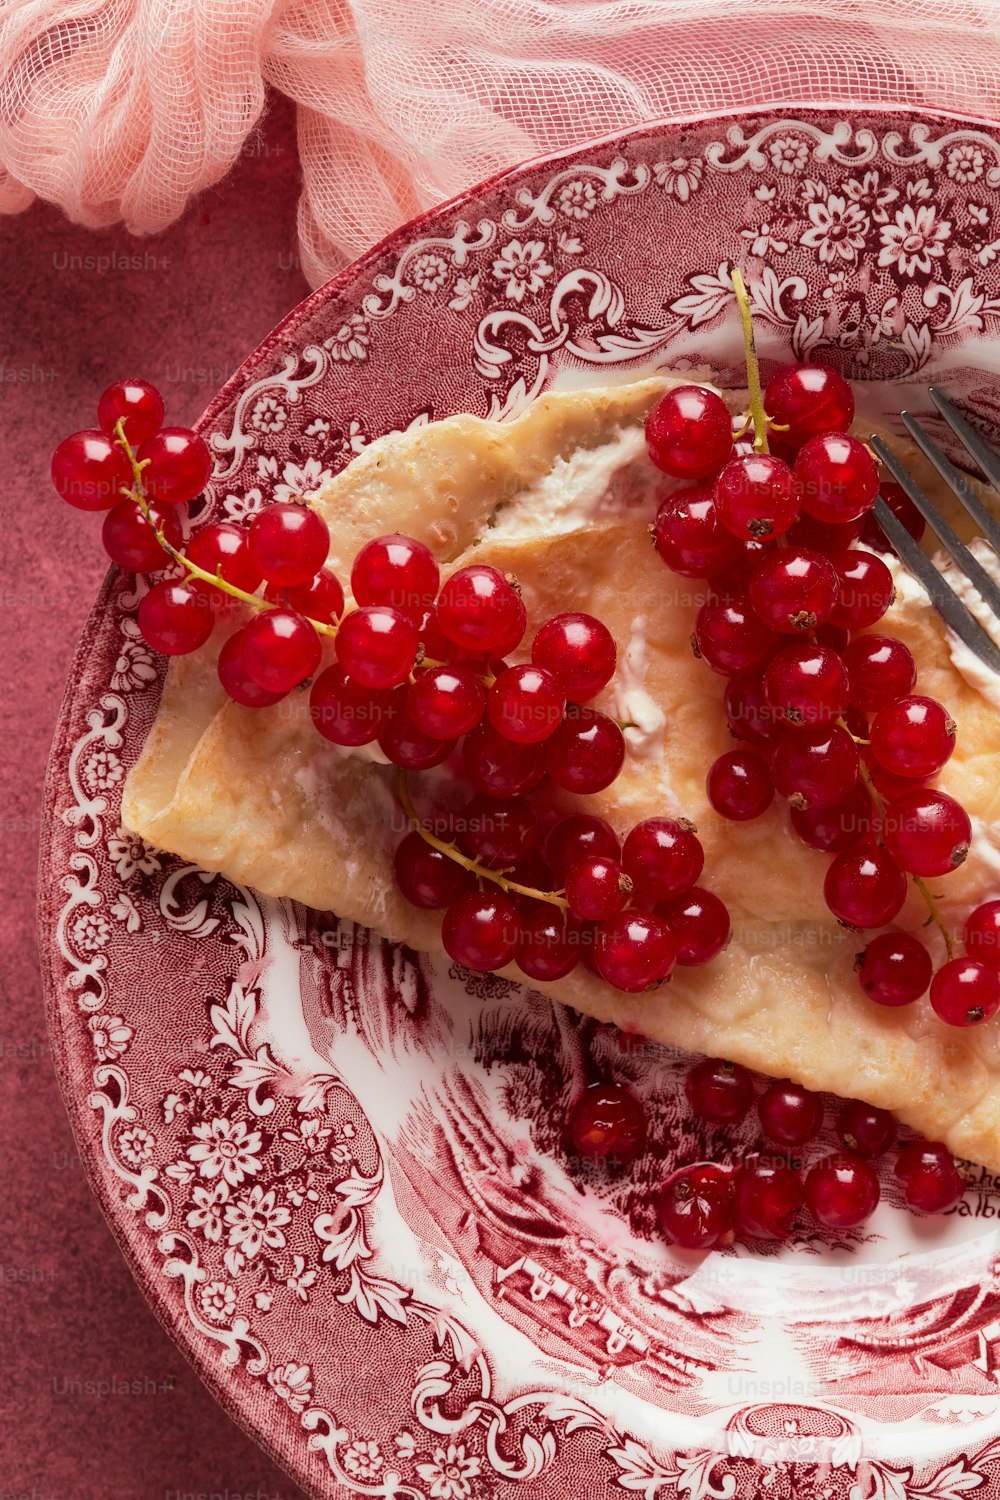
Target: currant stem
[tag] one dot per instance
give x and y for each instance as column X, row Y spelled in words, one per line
column 138, row 495
column 936, row 917
column 757, row 412
column 450, row 851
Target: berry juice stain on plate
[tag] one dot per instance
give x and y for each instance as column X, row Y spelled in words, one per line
column 571, row 827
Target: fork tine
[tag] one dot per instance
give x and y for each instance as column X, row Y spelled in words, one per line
column 955, row 480
column 977, row 575
column 949, row 606
column 968, row 437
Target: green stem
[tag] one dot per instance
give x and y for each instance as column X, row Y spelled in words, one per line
column 936, row 917
column 757, row 412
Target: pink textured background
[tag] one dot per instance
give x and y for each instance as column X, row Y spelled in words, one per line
column 77, row 310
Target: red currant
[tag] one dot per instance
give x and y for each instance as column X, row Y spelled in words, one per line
column 842, row 1191
column 865, row 1130
column 596, row 887
column 755, row 497
column 730, row 637
column 794, row 590
column 695, row 1206
column 865, row 887
column 402, row 743
column 931, row 1181
column 902, row 508
column 179, row 465
column 396, row 570
column 498, row 833
column 221, row 547
column 880, row 668
column 749, row 715
column 837, row 477
column 689, row 537
column 689, row 433
column 549, row 943
column 607, row 1122
column 90, row 471
column 321, row 599
column 579, row 836
column 982, row 934
column 700, row 923
column 426, row 876
column 586, row 752
column 634, row 950
column 480, row 930
column 289, row 543
column 895, row 969
column 965, row 992
column 348, row 713
column 579, row 651
column 281, row 649
column 913, row 736
column 446, row 702
column 719, row 1092
column 821, row 536
column 866, row 589
column 663, row 857
column 768, row 1196
column 175, row 618
column 498, row 767
column 740, row 786
column 138, row 402
column 235, row 678
column 815, row 767
column 526, row 704
column 377, row 645
column 927, row 832
column 131, row 541
column 807, row 401
column 479, row 610
column 789, row 1114
column 806, row 684
column 833, row 829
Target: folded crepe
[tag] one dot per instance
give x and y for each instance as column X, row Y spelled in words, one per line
column 562, row 498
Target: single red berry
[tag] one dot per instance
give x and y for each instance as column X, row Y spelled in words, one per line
column 221, row 547
column 321, row 599
column 695, row 1206
column 821, row 536
column 902, row 508
column 756, row 497
column 481, row 611
column 138, row 402
column 402, row 743
column 607, row 1123
column 428, row 878
column 842, row 1191
column 866, row 589
column 880, row 669
column 689, row 433
column 480, row 930
column 90, row 471
column 794, row 590
column 965, row 992
column 730, row 637
column 739, row 785
column 806, row 684
column 834, row 829
column 526, row 704
column 815, row 767
column 179, row 465
column 927, row 832
column 789, row 1114
column 499, row 768
column 895, row 969
column 289, row 543
column 719, row 1092
column 579, row 652
column 579, row 836
column 749, row 715
column 586, row 752
column 865, row 1130
column 446, row 702
column 931, row 1181
column 663, row 857
column 914, row 736
column 377, row 645
column 280, row 649
column 807, row 401
column 348, row 713
column 769, row 1194
column 131, row 541
column 837, row 478
column 700, row 923
column 689, row 536
column 982, row 934
column 865, row 887
column 175, row 618
column 236, row 679
column 834, row 636
column 549, row 945
column 596, row 888
column 396, row 570
column 634, row 950
column 498, row 833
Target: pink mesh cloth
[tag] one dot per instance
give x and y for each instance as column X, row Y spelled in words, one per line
column 123, row 109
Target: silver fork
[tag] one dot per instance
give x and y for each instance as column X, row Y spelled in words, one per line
column 948, row 604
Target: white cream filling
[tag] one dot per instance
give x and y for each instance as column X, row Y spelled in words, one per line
column 615, row 479
column 631, row 703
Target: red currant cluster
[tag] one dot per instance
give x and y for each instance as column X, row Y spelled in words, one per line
column 826, row 711
column 710, row 1204
column 420, row 671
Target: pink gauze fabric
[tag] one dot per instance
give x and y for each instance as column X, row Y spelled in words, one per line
column 122, row 110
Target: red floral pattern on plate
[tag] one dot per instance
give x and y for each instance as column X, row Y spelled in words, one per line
column 337, row 1167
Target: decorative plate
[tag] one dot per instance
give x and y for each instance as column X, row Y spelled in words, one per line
column 336, row 1167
